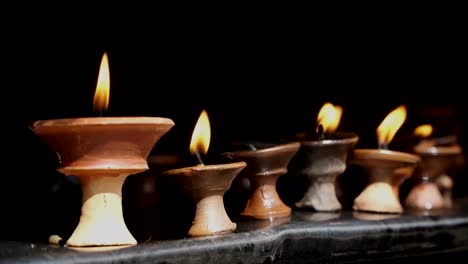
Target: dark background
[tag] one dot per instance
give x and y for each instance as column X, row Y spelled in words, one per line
column 261, row 81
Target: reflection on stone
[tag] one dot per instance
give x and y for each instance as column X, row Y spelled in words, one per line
column 318, row 216
column 272, row 222
column 369, row 216
column 253, row 225
column 432, row 212
column 100, row 248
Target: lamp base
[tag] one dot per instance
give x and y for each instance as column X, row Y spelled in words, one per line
column 101, row 221
column 211, row 218
column 378, row 197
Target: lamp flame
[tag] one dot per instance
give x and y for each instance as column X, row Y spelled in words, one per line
column 101, row 95
column 423, row 131
column 201, row 135
column 390, row 125
column 329, row 117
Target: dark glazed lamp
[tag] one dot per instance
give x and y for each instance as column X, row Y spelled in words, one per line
column 264, row 165
column 321, row 162
column 102, row 152
column 321, row 158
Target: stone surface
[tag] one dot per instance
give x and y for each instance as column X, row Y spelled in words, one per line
column 300, row 238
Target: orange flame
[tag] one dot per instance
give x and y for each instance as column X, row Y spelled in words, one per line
column 390, row 125
column 423, row 131
column 329, row 117
column 101, row 95
column 201, row 135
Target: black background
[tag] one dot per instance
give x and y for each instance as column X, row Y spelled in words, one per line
column 262, row 80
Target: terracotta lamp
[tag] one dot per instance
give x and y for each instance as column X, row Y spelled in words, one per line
column 207, row 184
column 435, row 163
column 102, row 152
column 386, row 169
column 321, row 158
column 265, row 163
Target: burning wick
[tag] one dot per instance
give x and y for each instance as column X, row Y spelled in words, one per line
column 199, row 158
column 423, row 131
column 328, row 120
column 383, row 145
column 390, row 125
column 201, row 137
column 101, row 95
column 321, row 132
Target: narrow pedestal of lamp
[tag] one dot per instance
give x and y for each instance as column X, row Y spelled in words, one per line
column 211, row 218
column 265, row 203
column 321, row 194
column 380, row 194
column 101, row 222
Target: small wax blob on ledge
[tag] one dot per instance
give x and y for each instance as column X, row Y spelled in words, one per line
column 56, row 240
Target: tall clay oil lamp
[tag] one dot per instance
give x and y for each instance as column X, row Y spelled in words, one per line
column 102, row 152
column 386, row 169
column 321, row 158
column 207, row 184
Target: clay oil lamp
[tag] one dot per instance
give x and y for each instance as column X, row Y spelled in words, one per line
column 386, row 169
column 207, row 184
column 265, row 163
column 436, row 159
column 322, row 157
column 102, row 152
